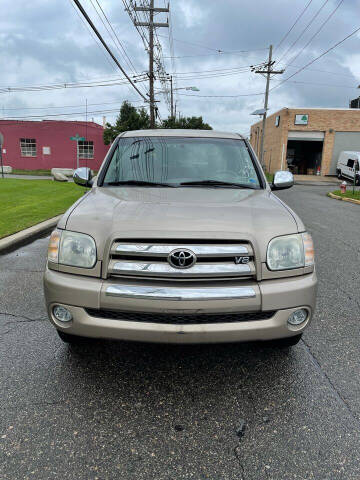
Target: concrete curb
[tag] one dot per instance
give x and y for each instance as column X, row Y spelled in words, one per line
column 24, row 236
column 344, row 199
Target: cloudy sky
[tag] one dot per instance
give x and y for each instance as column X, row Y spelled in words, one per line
column 46, row 42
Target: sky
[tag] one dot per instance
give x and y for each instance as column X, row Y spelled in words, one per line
column 47, row 42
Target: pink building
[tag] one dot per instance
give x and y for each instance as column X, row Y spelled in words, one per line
column 32, row 145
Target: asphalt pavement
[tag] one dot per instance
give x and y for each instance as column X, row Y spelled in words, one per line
column 115, row 410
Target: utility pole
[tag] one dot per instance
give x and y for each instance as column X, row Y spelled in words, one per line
column 171, row 97
column 151, row 65
column 151, row 25
column 267, row 71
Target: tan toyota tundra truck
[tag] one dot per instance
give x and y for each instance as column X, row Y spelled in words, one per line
column 180, row 239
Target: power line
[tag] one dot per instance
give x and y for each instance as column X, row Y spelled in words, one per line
column 91, row 33
column 111, row 78
column 133, row 16
column 293, row 25
column 317, row 58
column 114, row 37
column 316, row 33
column 80, row 7
column 117, row 38
column 215, row 75
column 194, row 44
column 63, row 86
column 234, row 52
column 304, row 30
column 323, row 71
column 243, row 68
column 63, row 114
column 324, row 84
column 221, row 96
column 66, row 106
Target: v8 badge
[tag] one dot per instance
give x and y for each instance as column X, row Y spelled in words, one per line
column 242, row 260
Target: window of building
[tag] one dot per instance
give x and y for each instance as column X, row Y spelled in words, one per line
column 86, row 149
column 28, row 147
column 277, row 121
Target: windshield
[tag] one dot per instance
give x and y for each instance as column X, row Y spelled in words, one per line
column 179, row 160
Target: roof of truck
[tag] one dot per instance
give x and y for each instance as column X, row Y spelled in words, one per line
column 167, row 132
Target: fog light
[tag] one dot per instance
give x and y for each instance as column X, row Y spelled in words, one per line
column 62, row 314
column 298, row 317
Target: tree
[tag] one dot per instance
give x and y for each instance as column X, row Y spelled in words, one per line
column 196, row 123
column 129, row 118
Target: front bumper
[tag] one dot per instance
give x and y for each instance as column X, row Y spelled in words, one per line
column 78, row 293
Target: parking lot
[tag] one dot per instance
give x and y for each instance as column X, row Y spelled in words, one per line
column 114, row 410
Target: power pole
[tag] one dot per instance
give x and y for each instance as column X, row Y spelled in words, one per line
column 171, row 97
column 151, row 25
column 267, row 71
column 151, row 65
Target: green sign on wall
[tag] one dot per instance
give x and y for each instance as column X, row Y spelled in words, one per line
column 302, row 119
column 78, row 138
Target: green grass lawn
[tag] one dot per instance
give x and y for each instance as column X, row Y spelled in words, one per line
column 31, row 172
column 27, row 202
column 269, row 177
column 348, row 194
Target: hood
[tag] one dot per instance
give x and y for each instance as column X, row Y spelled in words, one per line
column 185, row 213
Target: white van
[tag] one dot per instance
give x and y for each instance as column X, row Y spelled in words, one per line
column 348, row 165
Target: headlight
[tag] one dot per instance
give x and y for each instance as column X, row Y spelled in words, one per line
column 290, row 251
column 72, row 248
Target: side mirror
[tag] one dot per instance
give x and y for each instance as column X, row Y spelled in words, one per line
column 82, row 176
column 282, row 179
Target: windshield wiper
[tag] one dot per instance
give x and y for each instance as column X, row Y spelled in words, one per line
column 141, row 183
column 219, row 183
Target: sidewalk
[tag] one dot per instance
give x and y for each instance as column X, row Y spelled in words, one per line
column 316, row 180
column 27, row 177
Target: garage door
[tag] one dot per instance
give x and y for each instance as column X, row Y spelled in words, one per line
column 344, row 141
column 306, row 135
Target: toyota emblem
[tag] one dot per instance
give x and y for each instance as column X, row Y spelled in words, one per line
column 182, row 258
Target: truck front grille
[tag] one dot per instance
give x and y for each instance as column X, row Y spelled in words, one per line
column 200, row 259
column 176, row 319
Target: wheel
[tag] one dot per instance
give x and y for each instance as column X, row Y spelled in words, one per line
column 287, row 342
column 71, row 339
column 338, row 173
column 357, row 181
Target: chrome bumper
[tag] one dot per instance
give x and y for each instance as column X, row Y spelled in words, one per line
column 137, row 292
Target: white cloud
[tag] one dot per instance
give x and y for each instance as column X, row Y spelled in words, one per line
column 45, row 42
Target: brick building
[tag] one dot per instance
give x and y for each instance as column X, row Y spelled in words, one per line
column 307, row 139
column 32, row 145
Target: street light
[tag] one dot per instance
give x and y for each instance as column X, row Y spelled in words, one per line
column 170, row 79
column 260, row 112
column 193, row 89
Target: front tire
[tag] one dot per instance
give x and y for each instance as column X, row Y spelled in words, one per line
column 357, row 181
column 338, row 173
column 287, row 342
column 71, row 339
